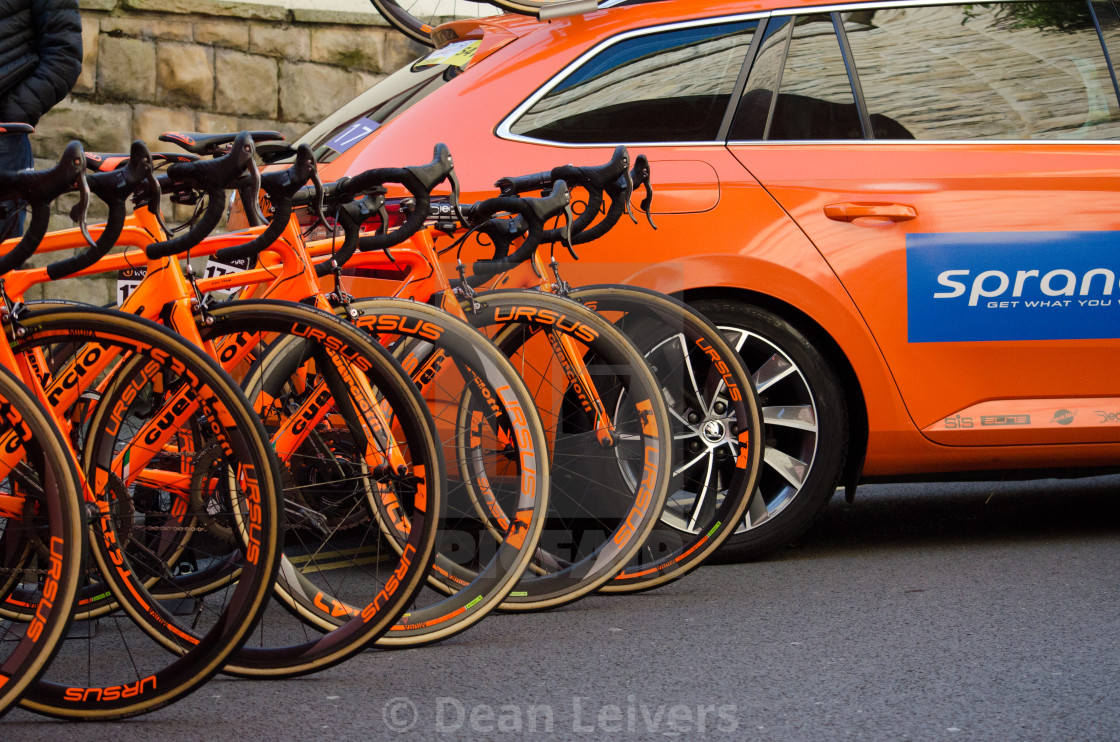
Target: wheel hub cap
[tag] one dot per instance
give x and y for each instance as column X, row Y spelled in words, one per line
column 714, row 431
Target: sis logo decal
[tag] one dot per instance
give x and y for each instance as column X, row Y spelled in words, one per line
column 1013, row 286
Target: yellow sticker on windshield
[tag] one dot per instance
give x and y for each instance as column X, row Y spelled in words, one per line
column 455, row 54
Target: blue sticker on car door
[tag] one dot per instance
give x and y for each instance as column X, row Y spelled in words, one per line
column 995, row 286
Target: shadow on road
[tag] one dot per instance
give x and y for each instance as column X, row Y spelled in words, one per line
column 931, row 514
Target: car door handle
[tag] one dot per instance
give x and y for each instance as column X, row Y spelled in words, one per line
column 849, row 212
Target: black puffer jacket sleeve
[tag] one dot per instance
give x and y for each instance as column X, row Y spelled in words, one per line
column 58, row 46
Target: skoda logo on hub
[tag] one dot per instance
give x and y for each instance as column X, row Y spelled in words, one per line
column 713, row 431
column 1013, row 286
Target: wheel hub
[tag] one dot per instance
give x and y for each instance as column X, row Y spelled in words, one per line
column 714, row 431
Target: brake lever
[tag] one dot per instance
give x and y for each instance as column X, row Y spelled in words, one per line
column 641, row 175
column 454, row 200
column 316, row 206
column 317, row 202
column 629, row 178
column 566, row 231
column 83, row 209
column 152, row 183
column 255, row 185
column 383, row 227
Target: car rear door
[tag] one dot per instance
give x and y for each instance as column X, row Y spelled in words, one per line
column 955, row 166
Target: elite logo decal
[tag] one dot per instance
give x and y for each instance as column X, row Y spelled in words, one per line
column 1013, row 286
column 1001, row 420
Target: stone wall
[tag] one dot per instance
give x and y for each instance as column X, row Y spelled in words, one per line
column 209, row 65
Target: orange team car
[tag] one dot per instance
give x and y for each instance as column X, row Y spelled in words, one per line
column 904, row 214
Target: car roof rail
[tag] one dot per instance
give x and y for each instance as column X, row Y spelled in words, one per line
column 567, row 9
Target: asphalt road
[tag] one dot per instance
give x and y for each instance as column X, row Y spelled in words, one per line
column 920, row 612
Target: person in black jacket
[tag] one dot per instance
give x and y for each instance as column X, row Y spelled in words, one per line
column 40, row 60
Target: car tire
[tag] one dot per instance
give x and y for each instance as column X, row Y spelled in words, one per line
column 805, row 424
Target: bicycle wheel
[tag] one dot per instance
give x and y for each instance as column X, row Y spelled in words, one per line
column 497, row 454
column 42, row 533
column 528, row 7
column 302, row 366
column 606, row 421
column 418, row 18
column 160, row 525
column 114, row 671
column 716, row 430
column 364, row 482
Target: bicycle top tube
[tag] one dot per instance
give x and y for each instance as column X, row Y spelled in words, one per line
column 140, row 230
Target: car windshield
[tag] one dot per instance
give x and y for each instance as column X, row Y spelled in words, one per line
column 387, row 99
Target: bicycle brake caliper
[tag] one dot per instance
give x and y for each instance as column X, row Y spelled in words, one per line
column 11, row 312
column 199, row 303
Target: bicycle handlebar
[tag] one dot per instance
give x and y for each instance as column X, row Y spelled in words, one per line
column 502, row 232
column 40, row 188
column 596, row 176
column 280, row 186
column 612, row 177
column 211, row 176
column 113, row 187
column 419, row 180
column 351, row 216
column 536, row 211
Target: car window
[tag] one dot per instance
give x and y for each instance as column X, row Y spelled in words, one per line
column 753, row 113
column 984, row 71
column 671, row 86
column 1108, row 17
column 815, row 98
column 799, row 57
